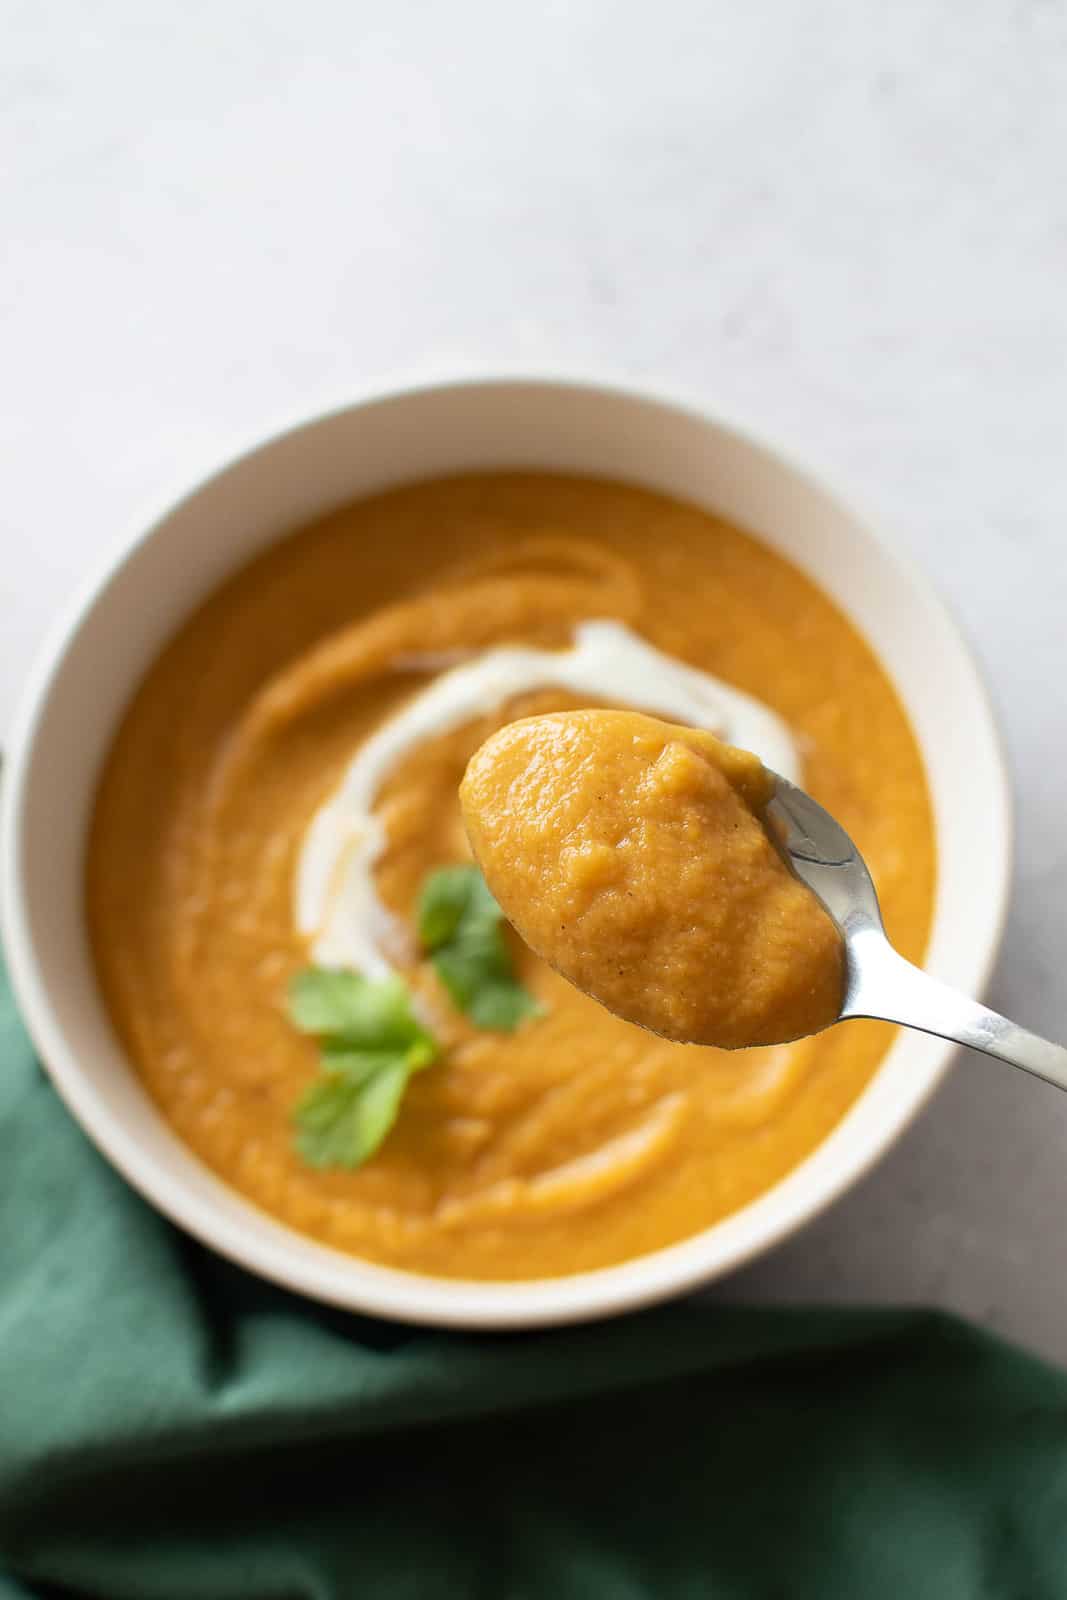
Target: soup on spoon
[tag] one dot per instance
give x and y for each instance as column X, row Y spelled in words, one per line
column 631, row 854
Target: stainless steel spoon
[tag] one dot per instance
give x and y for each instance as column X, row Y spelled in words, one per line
column 879, row 982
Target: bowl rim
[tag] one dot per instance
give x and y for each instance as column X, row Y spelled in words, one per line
column 299, row 1263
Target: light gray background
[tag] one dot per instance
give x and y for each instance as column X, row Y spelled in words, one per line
column 843, row 221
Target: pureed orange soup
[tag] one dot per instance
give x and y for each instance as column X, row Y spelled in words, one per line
column 229, row 851
column 633, row 855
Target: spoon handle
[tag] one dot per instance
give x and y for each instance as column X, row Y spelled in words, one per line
column 882, row 984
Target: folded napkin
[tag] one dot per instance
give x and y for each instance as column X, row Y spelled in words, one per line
column 173, row 1429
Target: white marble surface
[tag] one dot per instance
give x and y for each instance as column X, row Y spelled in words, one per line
column 844, row 221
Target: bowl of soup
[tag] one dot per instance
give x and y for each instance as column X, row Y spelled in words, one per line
column 240, row 911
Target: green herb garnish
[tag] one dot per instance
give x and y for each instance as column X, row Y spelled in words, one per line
column 461, row 928
column 369, row 1039
column 370, row 1045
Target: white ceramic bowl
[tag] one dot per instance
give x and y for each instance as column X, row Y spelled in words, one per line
column 85, row 678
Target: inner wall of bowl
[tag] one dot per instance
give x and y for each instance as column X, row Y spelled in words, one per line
column 356, row 452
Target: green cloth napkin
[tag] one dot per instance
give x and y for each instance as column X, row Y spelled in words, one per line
column 171, row 1428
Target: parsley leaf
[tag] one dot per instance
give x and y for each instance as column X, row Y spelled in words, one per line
column 371, row 1044
column 341, row 1122
column 362, row 1013
column 461, row 927
column 454, row 897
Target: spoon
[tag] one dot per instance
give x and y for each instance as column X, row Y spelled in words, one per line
column 878, row 981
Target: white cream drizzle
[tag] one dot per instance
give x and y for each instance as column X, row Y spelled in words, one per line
column 336, row 907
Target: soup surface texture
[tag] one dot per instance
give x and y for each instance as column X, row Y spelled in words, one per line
column 578, row 1140
column 631, row 854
